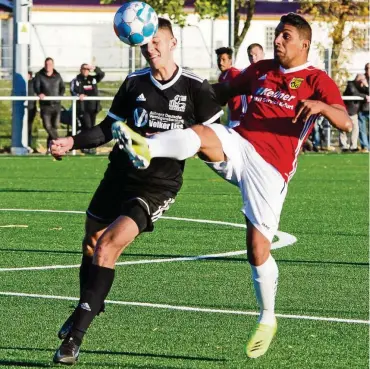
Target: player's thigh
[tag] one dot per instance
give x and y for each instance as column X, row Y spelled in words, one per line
column 230, row 166
column 263, row 191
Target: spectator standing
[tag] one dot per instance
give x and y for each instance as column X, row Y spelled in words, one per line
column 31, row 111
column 84, row 85
column 353, row 107
column 363, row 115
column 48, row 82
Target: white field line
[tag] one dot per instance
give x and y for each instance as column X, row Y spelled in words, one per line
column 190, row 308
column 285, row 239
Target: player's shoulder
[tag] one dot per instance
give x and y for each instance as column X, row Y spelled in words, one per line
column 139, row 73
column 316, row 75
column 191, row 76
column 261, row 67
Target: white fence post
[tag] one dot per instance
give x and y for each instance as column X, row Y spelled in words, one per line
column 74, row 120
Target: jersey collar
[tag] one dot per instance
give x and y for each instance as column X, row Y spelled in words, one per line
column 169, row 84
column 295, row 69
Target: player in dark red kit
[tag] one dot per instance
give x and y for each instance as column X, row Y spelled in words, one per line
column 237, row 104
column 260, row 155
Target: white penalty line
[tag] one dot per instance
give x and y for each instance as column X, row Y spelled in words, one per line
column 190, row 308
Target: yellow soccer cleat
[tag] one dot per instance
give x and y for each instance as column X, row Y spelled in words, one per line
column 261, row 340
column 134, row 144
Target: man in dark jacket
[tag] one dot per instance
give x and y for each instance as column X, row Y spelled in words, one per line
column 353, row 107
column 84, row 85
column 48, row 82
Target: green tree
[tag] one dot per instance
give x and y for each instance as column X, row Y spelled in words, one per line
column 346, row 21
column 244, row 11
column 173, row 8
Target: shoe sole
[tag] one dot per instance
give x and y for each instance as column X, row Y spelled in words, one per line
column 65, row 360
column 124, row 141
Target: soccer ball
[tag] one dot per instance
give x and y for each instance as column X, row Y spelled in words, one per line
column 135, row 23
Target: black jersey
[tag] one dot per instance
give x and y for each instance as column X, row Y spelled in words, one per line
column 149, row 106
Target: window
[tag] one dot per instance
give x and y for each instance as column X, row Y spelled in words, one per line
column 269, row 38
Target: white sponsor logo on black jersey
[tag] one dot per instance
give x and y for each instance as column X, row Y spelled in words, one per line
column 141, row 97
column 178, row 103
column 140, row 117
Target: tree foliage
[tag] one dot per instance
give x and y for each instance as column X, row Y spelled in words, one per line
column 343, row 19
column 173, row 8
column 244, row 11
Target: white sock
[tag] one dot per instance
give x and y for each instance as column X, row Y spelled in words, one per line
column 177, row 144
column 265, row 279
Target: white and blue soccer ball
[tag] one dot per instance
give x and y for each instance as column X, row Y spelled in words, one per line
column 135, row 23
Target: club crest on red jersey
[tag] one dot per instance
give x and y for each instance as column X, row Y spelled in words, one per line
column 295, row 83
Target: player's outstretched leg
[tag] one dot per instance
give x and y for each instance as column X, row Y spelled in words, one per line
column 178, row 144
column 131, row 142
column 265, row 277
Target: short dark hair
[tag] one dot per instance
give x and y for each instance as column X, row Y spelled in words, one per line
column 303, row 27
column 252, row 46
column 224, row 50
column 48, row 58
column 164, row 23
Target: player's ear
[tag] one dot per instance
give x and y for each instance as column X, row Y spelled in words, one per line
column 306, row 45
column 173, row 43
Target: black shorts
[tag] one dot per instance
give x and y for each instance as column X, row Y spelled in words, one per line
column 114, row 197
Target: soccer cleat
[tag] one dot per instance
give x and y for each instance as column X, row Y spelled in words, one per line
column 260, row 341
column 67, row 353
column 67, row 325
column 134, row 144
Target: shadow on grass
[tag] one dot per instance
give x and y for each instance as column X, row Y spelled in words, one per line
column 40, row 191
column 28, row 364
column 106, row 352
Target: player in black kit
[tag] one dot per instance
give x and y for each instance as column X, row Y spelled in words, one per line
column 128, row 200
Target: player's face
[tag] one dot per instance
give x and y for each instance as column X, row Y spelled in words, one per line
column 224, row 62
column 289, row 49
column 159, row 51
column 255, row 54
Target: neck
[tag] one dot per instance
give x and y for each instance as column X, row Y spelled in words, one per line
column 49, row 73
column 164, row 73
column 294, row 63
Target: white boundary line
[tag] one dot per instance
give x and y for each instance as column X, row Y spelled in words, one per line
column 190, row 308
column 285, row 239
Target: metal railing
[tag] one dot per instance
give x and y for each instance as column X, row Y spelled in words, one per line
column 74, row 100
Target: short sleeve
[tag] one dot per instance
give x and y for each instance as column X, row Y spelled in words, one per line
column 327, row 91
column 206, row 108
column 119, row 109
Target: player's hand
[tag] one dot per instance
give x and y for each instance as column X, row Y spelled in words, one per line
column 367, row 98
column 306, row 108
column 81, row 97
column 61, row 146
column 41, row 96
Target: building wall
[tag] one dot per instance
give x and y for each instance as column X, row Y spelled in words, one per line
column 77, row 36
